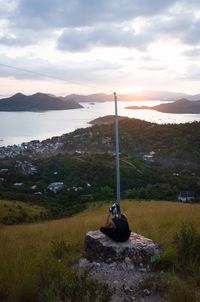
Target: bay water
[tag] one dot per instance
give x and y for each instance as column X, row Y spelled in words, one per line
column 18, row 127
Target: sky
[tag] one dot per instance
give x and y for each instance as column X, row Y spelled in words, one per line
column 91, row 46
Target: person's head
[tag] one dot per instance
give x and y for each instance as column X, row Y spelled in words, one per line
column 115, row 210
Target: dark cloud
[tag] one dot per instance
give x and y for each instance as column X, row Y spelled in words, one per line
column 182, row 27
column 171, row 24
column 185, row 27
column 179, row 26
column 77, row 13
column 30, row 20
column 88, row 23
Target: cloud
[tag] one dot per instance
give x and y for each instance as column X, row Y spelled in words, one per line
column 192, row 53
column 66, row 71
column 192, row 76
column 13, row 40
column 82, row 39
column 153, row 67
column 7, row 8
column 183, row 27
column 24, row 37
column 147, row 32
column 192, row 73
column 30, row 21
column 192, row 34
column 78, row 13
column 89, row 23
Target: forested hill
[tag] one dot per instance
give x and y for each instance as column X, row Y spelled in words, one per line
column 36, row 102
column 180, row 106
column 156, row 161
column 169, row 141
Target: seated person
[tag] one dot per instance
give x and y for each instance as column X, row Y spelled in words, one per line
column 116, row 228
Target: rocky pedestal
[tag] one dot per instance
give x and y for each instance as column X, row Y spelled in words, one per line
column 138, row 251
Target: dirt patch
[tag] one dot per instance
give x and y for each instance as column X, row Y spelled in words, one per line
column 123, row 279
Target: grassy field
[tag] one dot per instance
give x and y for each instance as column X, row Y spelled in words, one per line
column 13, row 212
column 35, row 258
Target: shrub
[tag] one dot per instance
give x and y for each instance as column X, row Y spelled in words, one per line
column 187, row 247
column 156, row 283
column 73, row 287
column 106, row 193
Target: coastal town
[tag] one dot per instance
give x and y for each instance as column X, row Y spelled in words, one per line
column 58, row 165
column 30, row 149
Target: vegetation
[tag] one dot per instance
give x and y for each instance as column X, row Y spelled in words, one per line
column 172, row 143
column 88, row 156
column 180, row 106
column 36, row 102
column 84, row 181
column 14, row 212
column 37, row 261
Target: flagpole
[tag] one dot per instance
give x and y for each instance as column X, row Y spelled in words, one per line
column 117, row 152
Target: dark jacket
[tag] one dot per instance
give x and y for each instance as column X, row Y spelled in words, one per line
column 122, row 231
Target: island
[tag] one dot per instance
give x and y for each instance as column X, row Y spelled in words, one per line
column 37, row 102
column 180, row 106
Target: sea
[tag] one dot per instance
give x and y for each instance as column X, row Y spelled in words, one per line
column 19, row 127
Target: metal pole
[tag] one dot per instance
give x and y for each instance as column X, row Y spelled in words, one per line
column 117, row 152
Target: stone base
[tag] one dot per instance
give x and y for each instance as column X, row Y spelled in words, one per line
column 138, row 250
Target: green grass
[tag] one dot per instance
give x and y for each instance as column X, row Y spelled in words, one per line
column 13, row 212
column 34, row 256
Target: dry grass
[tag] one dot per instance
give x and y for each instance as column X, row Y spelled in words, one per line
column 26, row 260
column 15, row 208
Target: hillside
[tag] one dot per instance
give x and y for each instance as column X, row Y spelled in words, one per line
column 37, row 261
column 180, row 106
column 106, row 120
column 178, row 142
column 157, row 162
column 169, row 141
column 14, row 212
column 36, row 102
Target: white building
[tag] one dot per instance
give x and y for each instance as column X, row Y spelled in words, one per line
column 56, row 186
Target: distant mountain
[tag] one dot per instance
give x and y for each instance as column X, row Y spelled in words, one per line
column 98, row 97
column 42, row 102
column 36, row 102
column 160, row 95
column 144, row 95
column 180, row 106
column 195, row 97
